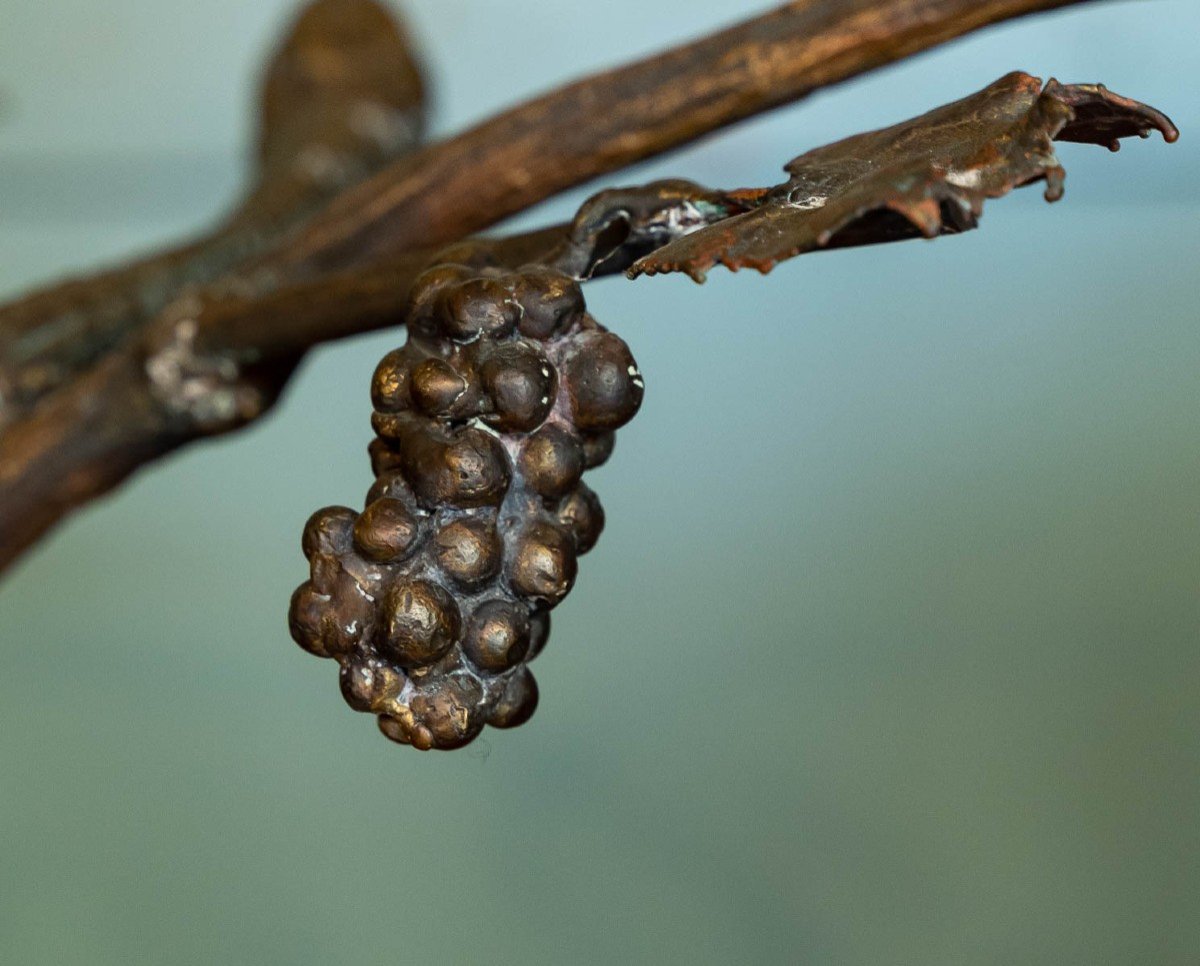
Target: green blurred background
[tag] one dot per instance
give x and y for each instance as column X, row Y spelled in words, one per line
column 889, row 651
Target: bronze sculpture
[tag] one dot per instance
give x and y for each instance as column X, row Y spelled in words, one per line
column 100, row 376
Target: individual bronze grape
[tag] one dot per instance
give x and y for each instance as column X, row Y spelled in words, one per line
column 469, row 551
column 422, row 623
column 581, row 512
column 552, row 461
column 604, row 383
column 386, row 530
column 542, row 563
column 517, row 701
column 497, row 636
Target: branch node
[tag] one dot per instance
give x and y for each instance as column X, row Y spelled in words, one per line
column 208, row 390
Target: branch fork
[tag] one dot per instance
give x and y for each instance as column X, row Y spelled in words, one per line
column 103, row 375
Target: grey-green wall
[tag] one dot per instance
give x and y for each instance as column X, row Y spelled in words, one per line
column 889, row 652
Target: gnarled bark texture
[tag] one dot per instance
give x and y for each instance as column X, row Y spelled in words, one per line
column 102, row 375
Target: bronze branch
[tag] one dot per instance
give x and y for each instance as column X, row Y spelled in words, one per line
column 102, row 375
column 341, row 98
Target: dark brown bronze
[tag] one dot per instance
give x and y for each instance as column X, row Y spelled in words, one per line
column 101, row 376
column 927, row 176
column 342, row 97
column 435, row 597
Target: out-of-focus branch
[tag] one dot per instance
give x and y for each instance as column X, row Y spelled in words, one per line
column 170, row 367
column 351, row 72
column 342, row 96
column 209, row 366
column 614, row 119
column 165, row 388
column 215, row 361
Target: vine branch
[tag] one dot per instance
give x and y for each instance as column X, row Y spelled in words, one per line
column 523, row 156
column 341, row 97
column 203, row 340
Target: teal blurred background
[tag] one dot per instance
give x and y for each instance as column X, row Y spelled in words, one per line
column 892, row 659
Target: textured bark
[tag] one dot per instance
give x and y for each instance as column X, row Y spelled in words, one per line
column 101, row 376
column 928, row 176
column 364, row 113
column 511, row 162
column 341, row 97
